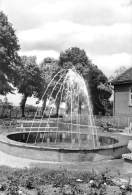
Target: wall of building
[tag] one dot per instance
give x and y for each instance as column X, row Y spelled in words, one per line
column 121, row 100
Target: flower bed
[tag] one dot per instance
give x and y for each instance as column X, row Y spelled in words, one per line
column 37, row 181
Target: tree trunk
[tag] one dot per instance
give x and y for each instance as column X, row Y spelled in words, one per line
column 10, row 113
column 2, row 111
column 57, row 106
column 68, row 107
column 23, row 103
column 44, row 105
column 80, row 107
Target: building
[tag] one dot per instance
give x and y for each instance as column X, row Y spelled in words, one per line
column 123, row 94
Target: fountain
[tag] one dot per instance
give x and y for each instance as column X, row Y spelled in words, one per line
column 69, row 139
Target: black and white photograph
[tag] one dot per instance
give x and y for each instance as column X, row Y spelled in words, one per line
column 65, row 97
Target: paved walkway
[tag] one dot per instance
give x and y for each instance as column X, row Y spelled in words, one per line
column 17, row 162
column 120, row 165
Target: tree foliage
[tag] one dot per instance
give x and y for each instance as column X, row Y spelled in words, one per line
column 99, row 88
column 48, row 68
column 75, row 57
column 9, row 59
column 92, row 75
column 117, row 72
column 29, row 79
column 5, row 86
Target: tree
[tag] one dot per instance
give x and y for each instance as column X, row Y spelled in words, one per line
column 48, row 68
column 9, row 59
column 117, row 72
column 29, row 79
column 75, row 57
column 5, row 86
column 99, row 89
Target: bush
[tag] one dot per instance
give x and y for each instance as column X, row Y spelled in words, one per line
column 58, row 182
column 12, row 186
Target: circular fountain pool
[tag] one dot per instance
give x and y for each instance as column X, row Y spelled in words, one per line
column 74, row 139
column 63, row 146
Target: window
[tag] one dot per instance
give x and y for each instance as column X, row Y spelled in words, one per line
column 130, row 97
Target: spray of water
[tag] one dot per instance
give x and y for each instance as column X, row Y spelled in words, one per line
column 73, row 90
column 76, row 82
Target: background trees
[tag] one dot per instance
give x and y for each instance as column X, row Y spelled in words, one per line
column 29, row 79
column 76, row 57
column 48, row 68
column 92, row 75
column 100, row 90
column 117, row 73
column 9, row 59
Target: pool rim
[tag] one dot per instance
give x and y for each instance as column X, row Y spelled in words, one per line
column 122, row 141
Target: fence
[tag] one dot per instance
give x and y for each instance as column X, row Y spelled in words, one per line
column 119, row 121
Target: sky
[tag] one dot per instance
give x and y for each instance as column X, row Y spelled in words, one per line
column 101, row 27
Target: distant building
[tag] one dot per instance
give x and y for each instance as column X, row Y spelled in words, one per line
column 123, row 94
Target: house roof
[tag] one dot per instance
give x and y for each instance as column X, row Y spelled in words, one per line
column 125, row 77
